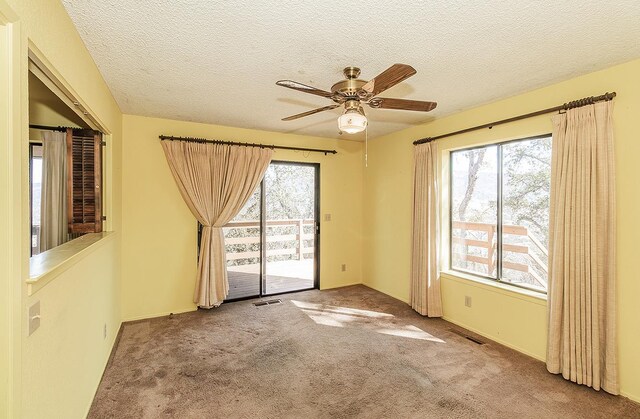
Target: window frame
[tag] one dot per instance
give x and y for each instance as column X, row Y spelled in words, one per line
column 32, row 145
column 499, row 206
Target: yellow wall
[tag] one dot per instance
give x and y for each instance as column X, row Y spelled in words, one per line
column 64, row 359
column 159, row 232
column 45, row 108
column 46, row 116
column 515, row 320
column 55, row 371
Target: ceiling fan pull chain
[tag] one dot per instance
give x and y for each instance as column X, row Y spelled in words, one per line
column 366, row 147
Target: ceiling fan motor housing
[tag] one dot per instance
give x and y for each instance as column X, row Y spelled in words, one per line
column 351, row 86
column 353, row 104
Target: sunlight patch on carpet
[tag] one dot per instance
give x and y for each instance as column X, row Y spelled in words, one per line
column 410, row 332
column 378, row 322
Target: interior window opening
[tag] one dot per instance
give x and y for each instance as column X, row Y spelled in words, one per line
column 65, row 168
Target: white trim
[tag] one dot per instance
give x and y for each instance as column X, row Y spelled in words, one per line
column 11, row 266
column 350, row 284
column 494, row 338
column 630, row 396
column 497, row 287
column 105, row 363
column 160, row 314
column 107, row 182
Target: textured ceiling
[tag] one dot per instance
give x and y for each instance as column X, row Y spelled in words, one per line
column 218, row 61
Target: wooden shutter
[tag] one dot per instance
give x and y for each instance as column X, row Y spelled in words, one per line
column 84, row 181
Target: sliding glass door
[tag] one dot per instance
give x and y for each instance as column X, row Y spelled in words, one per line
column 290, row 229
column 243, row 239
column 272, row 244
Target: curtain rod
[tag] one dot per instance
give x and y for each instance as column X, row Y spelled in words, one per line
column 278, row 147
column 48, row 128
column 59, row 128
column 564, row 107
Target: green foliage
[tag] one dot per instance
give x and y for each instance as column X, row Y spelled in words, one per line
column 527, row 184
column 290, row 195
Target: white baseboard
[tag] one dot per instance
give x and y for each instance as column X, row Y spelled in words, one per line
column 386, row 293
column 105, row 362
column 495, row 339
column 630, row 397
column 340, row 286
column 161, row 314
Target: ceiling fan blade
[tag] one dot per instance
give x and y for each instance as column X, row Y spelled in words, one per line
column 307, row 113
column 402, row 104
column 304, row 88
column 388, row 78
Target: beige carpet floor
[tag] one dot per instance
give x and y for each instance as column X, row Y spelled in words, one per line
column 345, row 353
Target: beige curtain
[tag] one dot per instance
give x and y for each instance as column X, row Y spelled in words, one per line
column 53, row 199
column 215, row 180
column 425, row 280
column 582, row 254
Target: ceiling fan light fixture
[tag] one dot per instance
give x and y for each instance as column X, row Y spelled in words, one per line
column 353, row 93
column 352, row 122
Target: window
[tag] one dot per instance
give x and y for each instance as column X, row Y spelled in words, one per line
column 499, row 211
column 65, row 188
column 35, row 151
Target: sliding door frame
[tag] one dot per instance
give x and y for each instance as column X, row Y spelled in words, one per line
column 316, row 233
column 263, row 234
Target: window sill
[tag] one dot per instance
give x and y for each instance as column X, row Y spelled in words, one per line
column 47, row 265
column 494, row 286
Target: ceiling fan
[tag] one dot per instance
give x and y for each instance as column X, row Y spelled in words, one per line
column 353, row 92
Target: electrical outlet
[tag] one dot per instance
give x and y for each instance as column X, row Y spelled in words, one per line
column 327, row 217
column 343, row 267
column 467, row 301
column 104, row 331
column 34, row 317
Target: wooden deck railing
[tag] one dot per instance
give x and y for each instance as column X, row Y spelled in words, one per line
column 489, row 232
column 299, row 238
